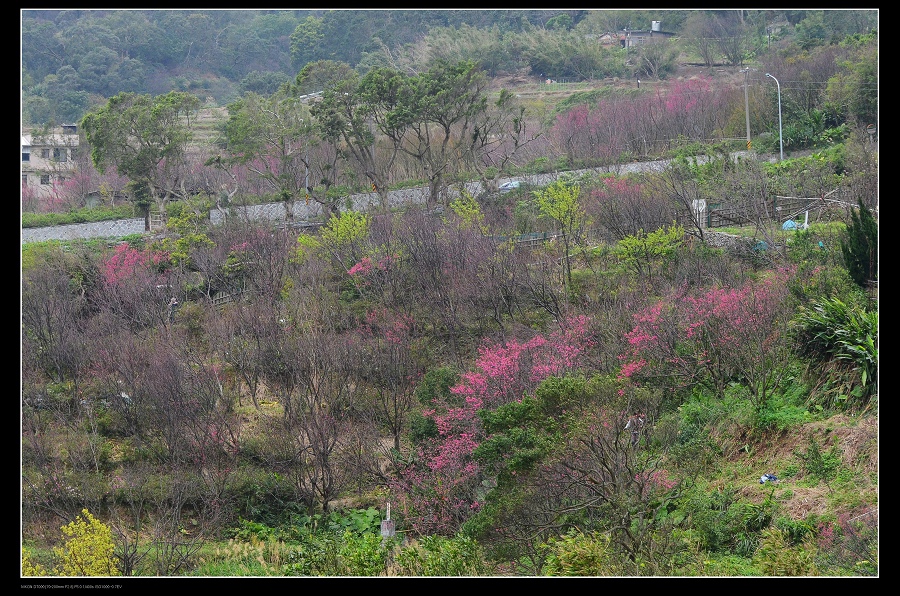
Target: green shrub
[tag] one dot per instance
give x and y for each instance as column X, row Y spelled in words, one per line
column 721, row 565
column 363, row 555
column 30, row 567
column 440, row 556
column 776, row 557
column 541, row 165
column 796, row 530
column 267, row 499
column 436, row 383
column 238, row 558
column 860, row 246
column 421, row 428
column 88, row 551
column 787, row 406
column 577, row 554
column 359, row 522
column 844, row 335
column 823, row 465
column 703, row 412
column 317, row 555
column 255, row 531
column 723, row 523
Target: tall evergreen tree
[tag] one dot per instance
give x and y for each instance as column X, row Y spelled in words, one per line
column 860, row 246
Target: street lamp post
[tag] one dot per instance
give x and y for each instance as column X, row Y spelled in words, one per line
column 746, row 72
column 780, row 137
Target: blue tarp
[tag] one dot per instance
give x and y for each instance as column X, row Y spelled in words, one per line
column 789, row 225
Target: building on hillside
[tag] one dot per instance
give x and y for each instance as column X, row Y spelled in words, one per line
column 610, row 39
column 634, row 39
column 48, row 159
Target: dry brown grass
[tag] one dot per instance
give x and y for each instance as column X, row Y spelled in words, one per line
column 857, row 440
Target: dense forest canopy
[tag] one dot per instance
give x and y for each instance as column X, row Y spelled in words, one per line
column 73, row 60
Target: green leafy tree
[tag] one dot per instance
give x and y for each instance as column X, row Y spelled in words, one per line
column 144, row 138
column 141, row 197
column 560, row 202
column 189, row 223
column 563, row 53
column 315, row 76
column 346, row 118
column 305, row 41
column 811, row 31
column 343, row 237
column 263, row 83
column 270, row 136
column 469, row 211
column 860, row 246
column 560, row 21
column 852, row 92
column 642, row 252
column 432, row 117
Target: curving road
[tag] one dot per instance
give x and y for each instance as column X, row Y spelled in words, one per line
column 304, row 212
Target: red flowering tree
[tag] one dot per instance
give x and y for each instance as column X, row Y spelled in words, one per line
column 570, row 456
column 715, row 337
column 602, row 132
column 439, row 490
column 136, row 286
column 66, row 194
column 585, row 133
column 127, row 262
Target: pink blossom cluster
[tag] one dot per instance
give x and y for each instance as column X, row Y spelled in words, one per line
column 395, row 328
column 366, row 266
column 361, row 268
column 502, row 373
column 709, row 329
column 126, row 262
column 655, row 480
column 615, row 189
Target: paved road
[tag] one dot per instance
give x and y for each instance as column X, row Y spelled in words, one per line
column 302, row 212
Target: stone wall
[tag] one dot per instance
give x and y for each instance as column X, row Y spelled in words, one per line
column 729, row 242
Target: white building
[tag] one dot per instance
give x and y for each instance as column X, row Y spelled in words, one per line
column 48, row 159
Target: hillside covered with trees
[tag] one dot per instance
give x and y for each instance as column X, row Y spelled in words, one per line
column 590, row 376
column 74, row 60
